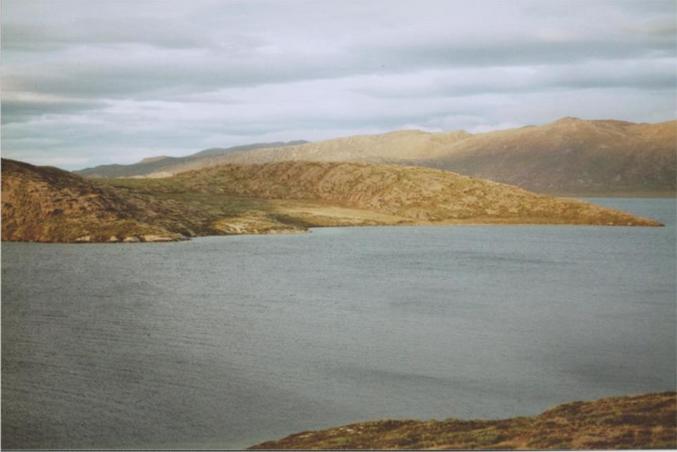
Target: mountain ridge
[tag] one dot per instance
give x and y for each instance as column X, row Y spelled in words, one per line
column 568, row 156
column 163, row 166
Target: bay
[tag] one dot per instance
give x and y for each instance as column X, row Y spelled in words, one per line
column 223, row 342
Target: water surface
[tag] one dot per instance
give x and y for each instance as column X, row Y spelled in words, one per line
column 223, row 342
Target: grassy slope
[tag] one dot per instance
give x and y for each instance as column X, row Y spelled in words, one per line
column 575, row 156
column 47, row 204
column 646, row 421
column 50, row 205
column 567, row 156
column 414, row 195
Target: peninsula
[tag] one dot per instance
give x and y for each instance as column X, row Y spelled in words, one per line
column 47, row 204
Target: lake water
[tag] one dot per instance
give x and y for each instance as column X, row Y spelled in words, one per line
column 223, row 342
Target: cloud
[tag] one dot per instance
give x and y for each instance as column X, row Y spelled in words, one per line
column 98, row 82
column 23, row 108
column 653, row 74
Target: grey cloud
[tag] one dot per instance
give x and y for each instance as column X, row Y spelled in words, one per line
column 173, row 77
column 33, row 38
column 22, row 110
column 45, row 25
column 458, row 83
column 182, row 57
column 83, row 79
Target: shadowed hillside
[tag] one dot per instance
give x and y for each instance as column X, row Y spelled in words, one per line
column 571, row 155
column 51, row 205
column 574, row 156
column 638, row 422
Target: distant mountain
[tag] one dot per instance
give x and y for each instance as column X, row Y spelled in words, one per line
column 568, row 156
column 52, row 205
column 163, row 166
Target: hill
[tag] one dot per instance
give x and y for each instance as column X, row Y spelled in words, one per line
column 163, row 166
column 568, row 156
column 638, row 422
column 51, row 205
column 574, row 156
column 415, row 194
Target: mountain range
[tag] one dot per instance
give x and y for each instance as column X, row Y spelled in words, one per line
column 162, row 166
column 569, row 156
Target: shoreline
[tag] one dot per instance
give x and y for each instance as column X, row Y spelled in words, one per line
column 282, row 197
column 634, row 421
column 469, row 223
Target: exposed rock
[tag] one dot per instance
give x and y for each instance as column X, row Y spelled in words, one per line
column 159, row 238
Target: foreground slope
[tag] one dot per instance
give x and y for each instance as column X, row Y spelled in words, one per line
column 570, row 155
column 51, row 205
column 646, row 421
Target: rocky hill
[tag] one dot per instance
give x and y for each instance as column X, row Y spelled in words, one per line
column 46, row 204
column 568, row 156
column 638, row 422
column 574, row 156
column 417, row 194
column 163, row 166
column 51, row 205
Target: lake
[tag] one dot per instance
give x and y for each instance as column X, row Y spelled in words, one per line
column 223, row 342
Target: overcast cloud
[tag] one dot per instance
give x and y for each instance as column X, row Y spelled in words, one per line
column 90, row 82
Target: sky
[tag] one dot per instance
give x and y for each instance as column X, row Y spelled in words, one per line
column 94, row 82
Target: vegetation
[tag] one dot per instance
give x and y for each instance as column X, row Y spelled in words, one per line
column 568, row 156
column 51, row 205
column 638, row 422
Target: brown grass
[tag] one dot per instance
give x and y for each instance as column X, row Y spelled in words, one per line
column 47, row 204
column 647, row 421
